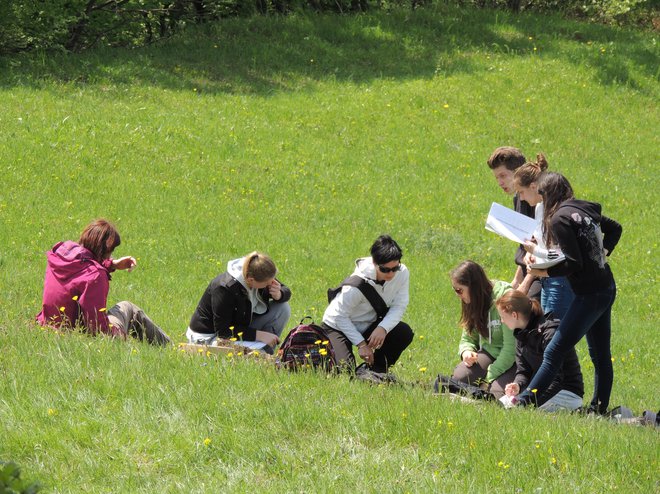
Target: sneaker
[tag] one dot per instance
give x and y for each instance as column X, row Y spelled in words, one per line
column 364, row 373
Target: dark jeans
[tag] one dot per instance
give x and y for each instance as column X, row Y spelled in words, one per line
column 386, row 356
column 477, row 373
column 588, row 315
column 556, row 296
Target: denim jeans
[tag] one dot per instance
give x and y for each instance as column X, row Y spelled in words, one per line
column 590, row 315
column 556, row 296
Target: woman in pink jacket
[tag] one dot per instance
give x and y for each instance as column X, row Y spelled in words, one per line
column 77, row 283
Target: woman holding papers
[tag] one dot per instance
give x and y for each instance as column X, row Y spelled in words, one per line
column 487, row 348
column 246, row 302
column 556, row 293
column 585, row 237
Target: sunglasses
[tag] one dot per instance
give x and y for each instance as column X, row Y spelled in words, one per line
column 459, row 291
column 394, row 269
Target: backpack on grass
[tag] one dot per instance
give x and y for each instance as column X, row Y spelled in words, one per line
column 307, row 346
column 446, row 384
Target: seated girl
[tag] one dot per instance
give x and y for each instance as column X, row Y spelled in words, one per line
column 77, row 284
column 486, row 349
column 533, row 333
column 246, row 302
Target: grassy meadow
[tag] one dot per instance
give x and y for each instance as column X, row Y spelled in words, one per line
column 306, row 137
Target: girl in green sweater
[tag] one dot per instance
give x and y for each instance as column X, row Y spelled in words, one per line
column 487, row 348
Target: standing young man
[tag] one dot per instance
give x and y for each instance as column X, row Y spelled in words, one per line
column 351, row 319
column 504, row 162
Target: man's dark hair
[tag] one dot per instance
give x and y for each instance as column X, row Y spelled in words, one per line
column 512, row 158
column 385, row 250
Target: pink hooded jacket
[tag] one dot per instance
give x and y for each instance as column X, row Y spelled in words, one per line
column 76, row 289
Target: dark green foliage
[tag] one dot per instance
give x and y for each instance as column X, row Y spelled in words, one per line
column 11, row 483
column 608, row 11
column 75, row 25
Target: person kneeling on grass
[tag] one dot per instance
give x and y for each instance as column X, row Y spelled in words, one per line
column 533, row 333
column 246, row 302
column 486, row 349
column 77, row 284
column 351, row 319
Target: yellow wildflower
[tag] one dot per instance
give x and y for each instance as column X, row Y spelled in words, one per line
column 422, row 369
column 207, row 441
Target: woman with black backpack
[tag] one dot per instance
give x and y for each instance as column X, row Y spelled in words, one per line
column 586, row 238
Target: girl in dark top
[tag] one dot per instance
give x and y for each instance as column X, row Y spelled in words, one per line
column 585, row 237
column 246, row 302
column 533, row 334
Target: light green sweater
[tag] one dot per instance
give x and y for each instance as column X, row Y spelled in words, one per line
column 501, row 345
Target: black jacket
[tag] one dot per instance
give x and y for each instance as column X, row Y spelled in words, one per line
column 225, row 308
column 522, row 207
column 581, row 231
column 530, row 345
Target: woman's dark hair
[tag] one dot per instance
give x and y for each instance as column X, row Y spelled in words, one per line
column 517, row 301
column 474, row 316
column 555, row 189
column 385, row 250
column 101, row 238
column 530, row 172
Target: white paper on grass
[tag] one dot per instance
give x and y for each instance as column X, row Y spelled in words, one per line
column 509, row 224
column 252, row 345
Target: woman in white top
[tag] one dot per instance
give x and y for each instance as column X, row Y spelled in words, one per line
column 556, row 292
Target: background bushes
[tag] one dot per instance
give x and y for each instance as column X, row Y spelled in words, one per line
column 75, row 25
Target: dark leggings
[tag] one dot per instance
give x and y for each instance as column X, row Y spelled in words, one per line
column 396, row 341
column 477, row 372
column 588, row 315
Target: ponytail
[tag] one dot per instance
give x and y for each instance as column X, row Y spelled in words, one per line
column 530, row 172
column 258, row 266
column 517, row 301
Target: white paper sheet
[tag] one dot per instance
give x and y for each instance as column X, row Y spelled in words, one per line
column 510, row 224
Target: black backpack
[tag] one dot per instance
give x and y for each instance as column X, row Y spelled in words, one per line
column 446, row 384
column 307, row 346
column 369, row 293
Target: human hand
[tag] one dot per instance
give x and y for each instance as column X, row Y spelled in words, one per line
column 529, row 246
column 377, row 338
column 275, row 289
column 469, row 358
column 366, row 353
column 512, row 389
column 269, row 339
column 126, row 262
column 539, row 273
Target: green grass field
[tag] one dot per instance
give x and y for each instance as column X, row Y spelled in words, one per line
column 306, row 137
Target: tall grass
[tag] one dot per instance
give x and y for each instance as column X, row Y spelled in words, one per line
column 306, row 137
